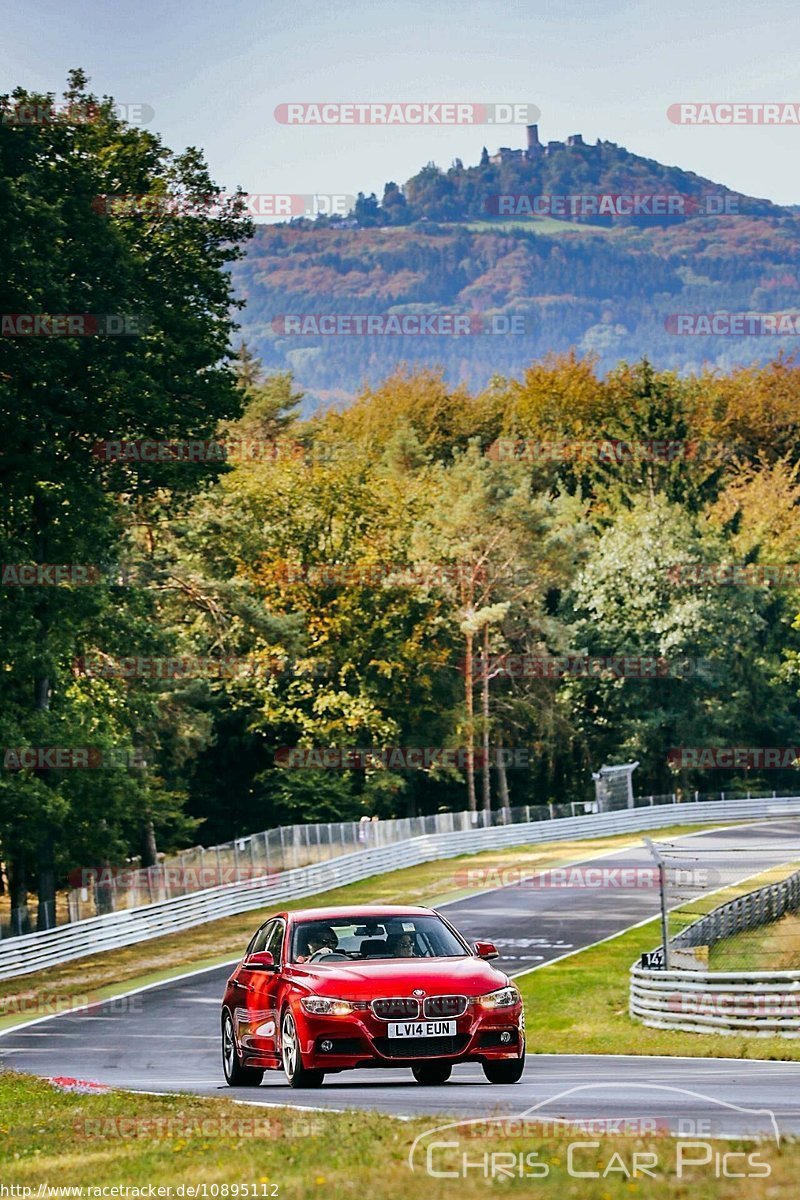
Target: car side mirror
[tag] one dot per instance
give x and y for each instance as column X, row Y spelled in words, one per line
column 262, row 961
column 485, row 950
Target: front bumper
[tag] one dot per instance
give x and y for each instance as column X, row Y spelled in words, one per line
column 361, row 1040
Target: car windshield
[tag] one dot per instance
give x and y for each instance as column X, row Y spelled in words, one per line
column 363, row 938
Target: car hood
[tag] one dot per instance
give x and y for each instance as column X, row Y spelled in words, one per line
column 363, row 981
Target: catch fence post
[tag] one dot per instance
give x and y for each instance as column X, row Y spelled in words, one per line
column 662, row 887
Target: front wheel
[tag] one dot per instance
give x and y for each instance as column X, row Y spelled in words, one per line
column 235, row 1074
column 431, row 1073
column 298, row 1075
column 505, row 1071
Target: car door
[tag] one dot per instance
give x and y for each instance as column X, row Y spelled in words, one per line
column 265, row 991
column 246, row 991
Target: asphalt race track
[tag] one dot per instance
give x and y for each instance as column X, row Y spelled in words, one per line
column 166, row 1039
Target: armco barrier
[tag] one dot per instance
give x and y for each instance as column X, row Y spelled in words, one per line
column 749, row 1003
column 34, row 951
column 103, row 889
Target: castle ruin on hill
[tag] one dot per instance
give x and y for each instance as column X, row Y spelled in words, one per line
column 535, row 149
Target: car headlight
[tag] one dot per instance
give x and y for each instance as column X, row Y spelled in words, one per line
column 326, row 1006
column 505, row 997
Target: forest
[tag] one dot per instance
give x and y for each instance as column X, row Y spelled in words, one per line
column 224, row 608
column 531, row 287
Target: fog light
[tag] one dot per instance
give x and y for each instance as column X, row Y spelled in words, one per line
column 326, row 1045
column 505, row 1036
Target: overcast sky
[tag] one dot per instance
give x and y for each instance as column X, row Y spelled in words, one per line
column 214, row 71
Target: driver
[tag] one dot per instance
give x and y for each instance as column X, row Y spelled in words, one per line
column 403, row 945
column 320, row 937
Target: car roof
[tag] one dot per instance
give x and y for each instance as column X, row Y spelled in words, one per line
column 359, row 910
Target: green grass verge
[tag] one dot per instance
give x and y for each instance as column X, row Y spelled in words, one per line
column 774, row 947
column 105, row 975
column 132, row 1140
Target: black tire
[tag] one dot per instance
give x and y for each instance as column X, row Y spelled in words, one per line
column 432, row 1073
column 297, row 1075
column 235, row 1074
column 506, row 1070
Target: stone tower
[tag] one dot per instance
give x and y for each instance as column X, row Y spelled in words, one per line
column 534, row 145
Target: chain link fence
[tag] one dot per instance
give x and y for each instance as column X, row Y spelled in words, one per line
column 112, row 888
column 763, row 906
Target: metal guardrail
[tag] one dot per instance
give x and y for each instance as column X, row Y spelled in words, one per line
column 753, row 1003
column 100, row 890
column 759, row 907
column 749, row 1003
column 32, row 952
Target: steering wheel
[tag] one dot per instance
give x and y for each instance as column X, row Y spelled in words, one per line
column 326, row 955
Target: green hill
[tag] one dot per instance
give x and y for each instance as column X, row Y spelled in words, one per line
column 580, row 183
column 602, row 284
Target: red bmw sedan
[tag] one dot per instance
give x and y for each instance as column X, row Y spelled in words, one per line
column 330, row 989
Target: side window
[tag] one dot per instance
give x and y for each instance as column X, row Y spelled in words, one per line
column 259, row 942
column 275, row 941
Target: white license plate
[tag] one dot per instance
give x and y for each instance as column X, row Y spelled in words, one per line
column 414, row 1029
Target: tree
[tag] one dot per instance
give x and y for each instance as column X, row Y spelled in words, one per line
column 718, row 682
column 248, row 368
column 367, row 212
column 271, row 406
column 393, row 205
column 317, row 542
column 501, row 548
column 156, row 270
